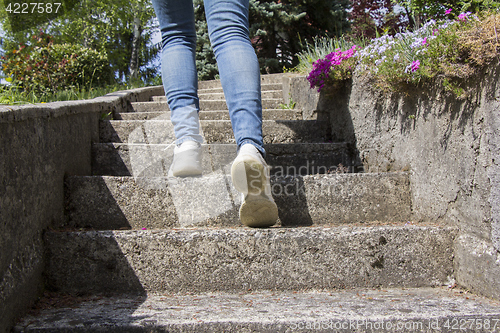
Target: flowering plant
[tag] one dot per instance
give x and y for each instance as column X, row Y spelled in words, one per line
column 335, row 60
column 449, row 48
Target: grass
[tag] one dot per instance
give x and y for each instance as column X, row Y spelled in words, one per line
column 10, row 95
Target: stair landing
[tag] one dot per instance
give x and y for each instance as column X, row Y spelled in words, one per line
column 362, row 310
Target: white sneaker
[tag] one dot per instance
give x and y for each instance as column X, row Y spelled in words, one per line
column 187, row 160
column 250, row 175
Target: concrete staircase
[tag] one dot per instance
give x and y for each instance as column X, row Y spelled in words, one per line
column 146, row 253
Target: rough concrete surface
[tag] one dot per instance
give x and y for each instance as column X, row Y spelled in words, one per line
column 104, row 202
column 217, row 88
column 271, row 114
column 451, row 146
column 159, row 103
column 362, row 310
column 296, row 89
column 200, row 260
column 160, row 131
column 218, row 95
column 477, row 265
column 118, row 159
column 39, row 145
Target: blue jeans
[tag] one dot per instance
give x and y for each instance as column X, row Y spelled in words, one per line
column 238, row 67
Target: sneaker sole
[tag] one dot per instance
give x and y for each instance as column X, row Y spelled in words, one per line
column 188, row 172
column 258, row 212
column 248, row 175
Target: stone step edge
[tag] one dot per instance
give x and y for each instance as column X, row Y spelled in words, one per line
column 114, row 202
column 205, row 111
column 359, row 310
column 264, row 79
column 322, row 146
column 239, row 259
column 214, row 131
column 204, row 100
column 212, row 121
column 219, row 96
column 203, row 93
column 267, row 103
column 124, row 159
column 263, row 87
column 267, row 114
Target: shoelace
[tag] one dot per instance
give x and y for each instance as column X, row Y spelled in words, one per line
column 170, row 145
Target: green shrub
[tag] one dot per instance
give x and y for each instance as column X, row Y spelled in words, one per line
column 44, row 67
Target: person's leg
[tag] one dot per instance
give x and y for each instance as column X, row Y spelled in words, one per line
column 238, row 68
column 178, row 66
column 240, row 77
column 180, row 80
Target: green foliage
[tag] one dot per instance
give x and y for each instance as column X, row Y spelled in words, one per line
column 420, row 11
column 206, row 64
column 279, row 29
column 30, row 14
column 290, row 106
column 45, row 67
column 106, row 26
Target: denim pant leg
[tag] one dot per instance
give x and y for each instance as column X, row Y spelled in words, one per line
column 178, row 66
column 238, row 67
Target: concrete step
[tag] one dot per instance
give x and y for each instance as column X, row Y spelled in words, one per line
column 361, row 310
column 207, row 87
column 122, row 159
column 214, row 131
column 205, row 105
column 218, row 95
column 264, row 87
column 106, row 202
column 264, row 80
column 271, row 114
column 239, row 260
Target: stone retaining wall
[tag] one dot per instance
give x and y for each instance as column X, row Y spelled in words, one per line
column 450, row 146
column 40, row 145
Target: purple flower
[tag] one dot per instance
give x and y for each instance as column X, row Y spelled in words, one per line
column 448, row 11
column 322, row 67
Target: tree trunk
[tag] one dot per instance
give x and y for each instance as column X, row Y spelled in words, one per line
column 134, row 59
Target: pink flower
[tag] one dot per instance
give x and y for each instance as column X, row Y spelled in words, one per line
column 463, row 16
column 424, row 41
column 415, row 65
column 448, row 11
column 144, row 228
